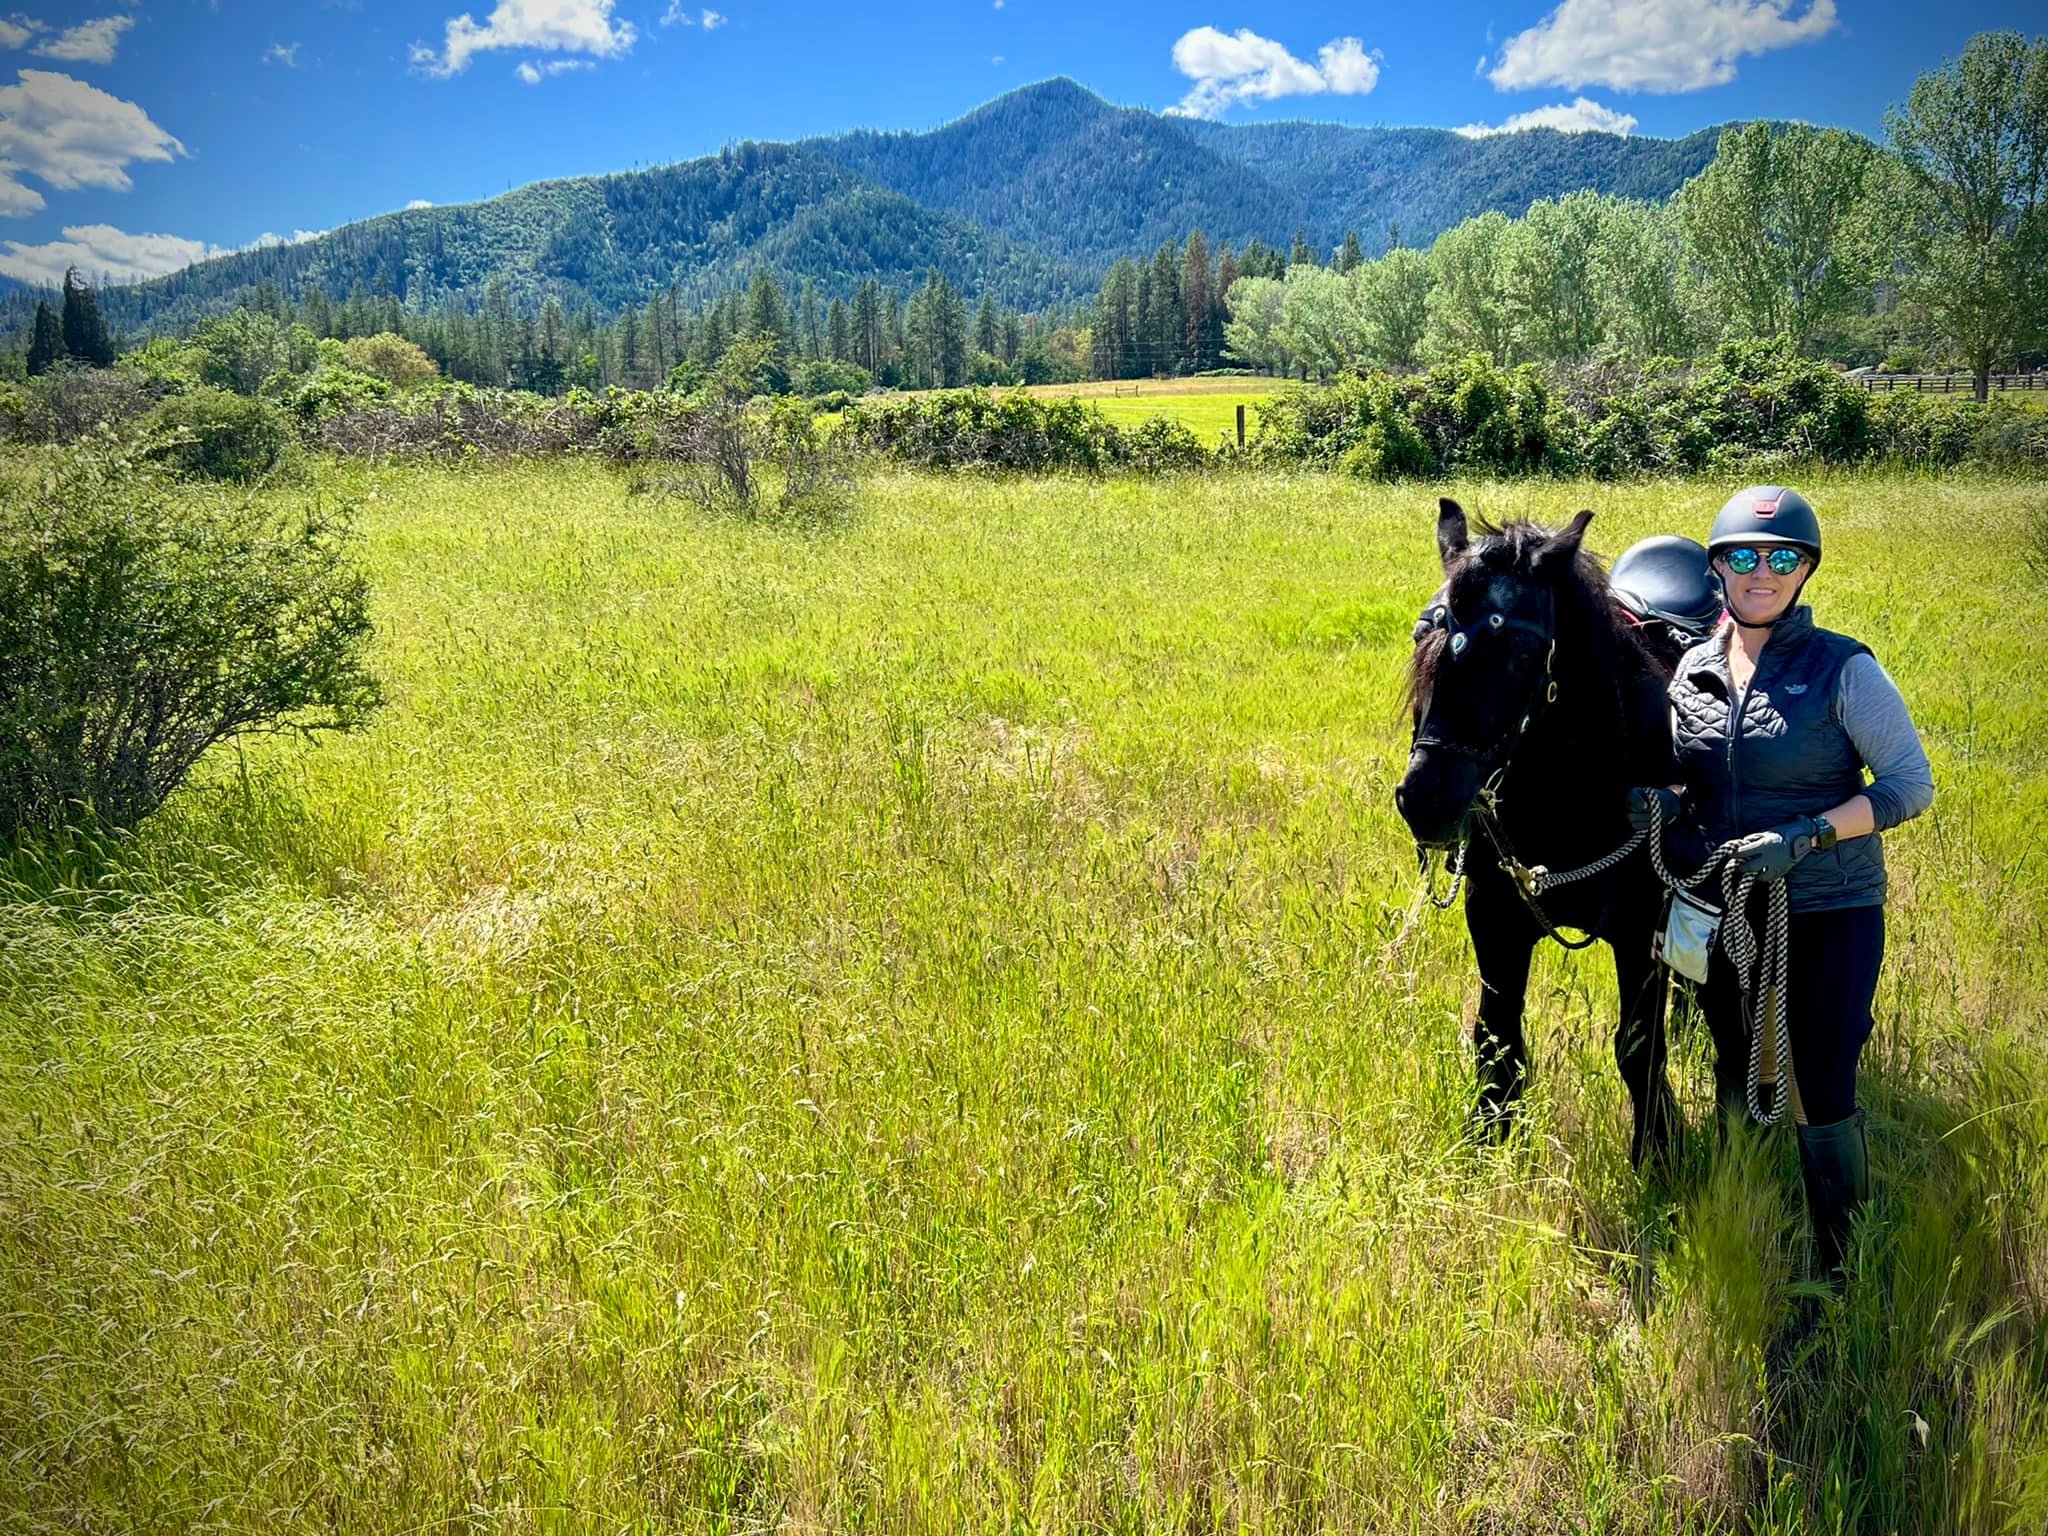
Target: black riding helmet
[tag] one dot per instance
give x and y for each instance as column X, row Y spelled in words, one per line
column 1766, row 514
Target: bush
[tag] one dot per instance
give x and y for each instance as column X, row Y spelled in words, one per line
column 947, row 429
column 73, row 401
column 336, row 390
column 213, row 435
column 732, row 447
column 164, row 367
column 1161, row 444
column 825, row 377
column 456, row 421
column 242, row 350
column 390, row 357
column 141, row 623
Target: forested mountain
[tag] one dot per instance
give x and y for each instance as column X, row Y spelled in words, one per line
column 1055, row 167
column 1028, row 199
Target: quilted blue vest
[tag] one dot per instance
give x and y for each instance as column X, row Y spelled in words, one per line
column 1776, row 753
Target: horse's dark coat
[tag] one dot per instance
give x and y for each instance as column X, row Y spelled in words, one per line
column 1562, row 789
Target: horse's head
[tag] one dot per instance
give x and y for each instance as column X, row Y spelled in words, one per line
column 1482, row 669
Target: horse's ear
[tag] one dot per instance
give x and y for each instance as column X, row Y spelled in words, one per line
column 1562, row 548
column 1451, row 532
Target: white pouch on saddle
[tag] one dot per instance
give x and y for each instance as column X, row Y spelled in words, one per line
column 1689, row 935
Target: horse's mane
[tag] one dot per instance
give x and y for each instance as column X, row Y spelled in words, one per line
column 1586, row 611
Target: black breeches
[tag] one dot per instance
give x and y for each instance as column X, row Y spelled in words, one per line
column 1833, row 962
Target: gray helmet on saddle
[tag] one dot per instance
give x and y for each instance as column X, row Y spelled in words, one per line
column 1766, row 514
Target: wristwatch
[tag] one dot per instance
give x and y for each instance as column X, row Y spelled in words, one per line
column 1824, row 834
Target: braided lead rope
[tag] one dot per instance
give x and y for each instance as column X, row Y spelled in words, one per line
column 1762, row 969
column 1456, row 865
column 1541, row 879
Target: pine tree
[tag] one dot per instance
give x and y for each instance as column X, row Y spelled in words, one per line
column 46, row 350
column 838, row 340
column 629, row 347
column 1351, row 257
column 986, row 338
column 85, row 332
column 1197, row 299
column 767, row 309
column 867, row 327
column 810, row 323
column 1301, row 255
column 1165, row 323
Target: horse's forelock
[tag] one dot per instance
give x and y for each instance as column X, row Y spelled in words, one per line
column 1511, row 548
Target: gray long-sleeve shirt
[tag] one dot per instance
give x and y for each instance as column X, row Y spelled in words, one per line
column 1870, row 708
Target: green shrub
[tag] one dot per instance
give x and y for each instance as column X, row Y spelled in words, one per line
column 164, row 366
column 142, row 622
column 73, row 401
column 1476, row 415
column 822, row 376
column 390, row 357
column 210, row 434
column 334, row 391
column 1161, row 444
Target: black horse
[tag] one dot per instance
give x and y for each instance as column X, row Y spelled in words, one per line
column 1536, row 707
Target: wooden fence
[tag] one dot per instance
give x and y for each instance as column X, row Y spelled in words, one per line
column 1949, row 383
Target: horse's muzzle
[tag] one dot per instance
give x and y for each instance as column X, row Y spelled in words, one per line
column 1435, row 796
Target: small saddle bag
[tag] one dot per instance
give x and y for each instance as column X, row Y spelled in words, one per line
column 1689, row 934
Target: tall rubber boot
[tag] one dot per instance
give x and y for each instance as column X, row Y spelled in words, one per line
column 1835, row 1163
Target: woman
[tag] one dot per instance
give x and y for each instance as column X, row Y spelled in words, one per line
column 1774, row 721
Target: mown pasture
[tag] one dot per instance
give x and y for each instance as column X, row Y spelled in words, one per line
column 929, row 1025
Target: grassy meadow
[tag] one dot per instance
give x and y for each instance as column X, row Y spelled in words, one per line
column 929, row 1025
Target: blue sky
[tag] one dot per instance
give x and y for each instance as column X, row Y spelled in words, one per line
column 136, row 135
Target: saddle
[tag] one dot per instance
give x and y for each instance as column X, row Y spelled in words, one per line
column 1666, row 586
column 1663, row 584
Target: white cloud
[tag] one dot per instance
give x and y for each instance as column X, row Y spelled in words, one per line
column 286, row 54
column 266, row 240
column 418, row 202
column 102, row 251
column 15, row 31
column 1229, row 68
column 70, row 134
column 1580, row 116
column 533, row 74
column 1663, row 46
column 677, row 15
column 90, row 42
column 711, row 21
column 548, row 26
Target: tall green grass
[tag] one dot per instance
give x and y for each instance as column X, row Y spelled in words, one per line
column 929, row 1026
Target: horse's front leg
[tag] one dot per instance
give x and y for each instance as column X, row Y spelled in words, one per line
column 1639, row 1044
column 1502, row 941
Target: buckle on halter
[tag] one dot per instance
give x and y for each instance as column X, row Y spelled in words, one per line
column 1529, row 879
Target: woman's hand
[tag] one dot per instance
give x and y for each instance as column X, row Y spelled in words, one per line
column 1647, row 801
column 1770, row 855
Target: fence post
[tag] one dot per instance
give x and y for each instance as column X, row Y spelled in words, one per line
column 1240, row 424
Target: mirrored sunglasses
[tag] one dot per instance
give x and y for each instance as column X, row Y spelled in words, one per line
column 1783, row 560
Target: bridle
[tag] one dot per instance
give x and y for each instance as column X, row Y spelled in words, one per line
column 1499, row 758
column 1543, row 693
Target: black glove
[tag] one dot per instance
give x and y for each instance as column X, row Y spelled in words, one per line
column 1770, row 855
column 1640, row 801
